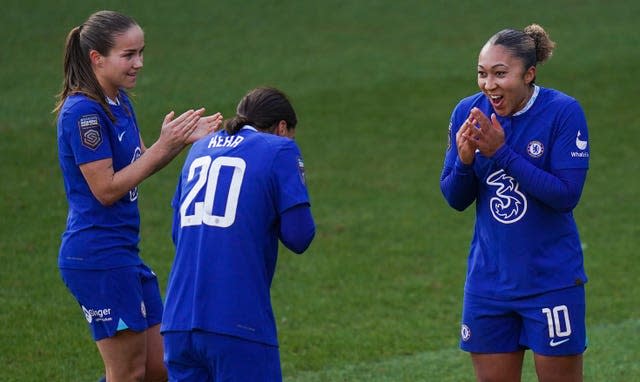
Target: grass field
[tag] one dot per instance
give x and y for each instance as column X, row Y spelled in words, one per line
column 378, row 295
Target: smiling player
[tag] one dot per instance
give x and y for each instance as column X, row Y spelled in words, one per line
column 103, row 160
column 520, row 152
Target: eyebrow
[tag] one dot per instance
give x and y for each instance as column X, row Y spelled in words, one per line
column 133, row 50
column 494, row 66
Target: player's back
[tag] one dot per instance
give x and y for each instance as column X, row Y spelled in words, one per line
column 231, row 193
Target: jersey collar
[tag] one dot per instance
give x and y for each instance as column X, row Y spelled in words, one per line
column 248, row 127
column 115, row 102
column 536, row 90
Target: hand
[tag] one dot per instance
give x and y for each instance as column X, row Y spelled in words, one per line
column 489, row 134
column 465, row 141
column 206, row 125
column 175, row 133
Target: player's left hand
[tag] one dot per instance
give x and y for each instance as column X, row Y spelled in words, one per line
column 206, row 125
column 489, row 134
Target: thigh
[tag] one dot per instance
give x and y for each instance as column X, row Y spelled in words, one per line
column 554, row 322
column 237, row 359
column 489, row 326
column 499, row 367
column 182, row 361
column 124, row 355
column 155, row 369
column 559, row 368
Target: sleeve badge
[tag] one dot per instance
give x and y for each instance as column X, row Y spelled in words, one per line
column 301, row 170
column 90, row 132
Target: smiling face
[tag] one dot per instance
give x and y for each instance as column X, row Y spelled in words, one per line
column 504, row 80
column 119, row 69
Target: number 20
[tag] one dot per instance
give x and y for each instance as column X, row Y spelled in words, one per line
column 208, row 177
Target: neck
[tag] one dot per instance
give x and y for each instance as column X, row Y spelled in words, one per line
column 526, row 99
column 109, row 91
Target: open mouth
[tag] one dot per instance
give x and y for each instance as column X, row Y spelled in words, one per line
column 496, row 100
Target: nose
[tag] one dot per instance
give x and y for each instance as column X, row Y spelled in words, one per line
column 138, row 62
column 489, row 83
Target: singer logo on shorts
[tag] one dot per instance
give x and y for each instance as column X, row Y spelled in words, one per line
column 98, row 315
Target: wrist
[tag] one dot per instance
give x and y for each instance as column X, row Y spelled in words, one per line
column 501, row 155
column 461, row 166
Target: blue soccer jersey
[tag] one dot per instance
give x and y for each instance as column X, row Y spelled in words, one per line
column 231, row 193
column 97, row 236
column 522, row 244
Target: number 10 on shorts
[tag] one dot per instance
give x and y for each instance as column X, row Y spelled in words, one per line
column 558, row 321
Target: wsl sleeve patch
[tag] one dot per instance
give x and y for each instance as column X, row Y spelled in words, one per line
column 301, row 170
column 90, row 132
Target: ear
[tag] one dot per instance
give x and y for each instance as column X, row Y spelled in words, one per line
column 95, row 57
column 281, row 129
column 530, row 75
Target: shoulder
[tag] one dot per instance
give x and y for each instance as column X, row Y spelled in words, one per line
column 555, row 102
column 275, row 148
column 465, row 104
column 463, row 108
column 271, row 141
column 557, row 99
column 553, row 95
column 78, row 105
column 125, row 99
column 472, row 99
column 80, row 110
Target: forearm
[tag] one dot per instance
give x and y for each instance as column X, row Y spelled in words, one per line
column 459, row 185
column 108, row 186
column 297, row 228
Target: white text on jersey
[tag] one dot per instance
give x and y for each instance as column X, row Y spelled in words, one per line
column 230, row 141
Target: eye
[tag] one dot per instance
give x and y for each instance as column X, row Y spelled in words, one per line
column 500, row 74
column 482, row 74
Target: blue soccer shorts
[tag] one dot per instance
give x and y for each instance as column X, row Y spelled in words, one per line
column 199, row 356
column 551, row 324
column 116, row 299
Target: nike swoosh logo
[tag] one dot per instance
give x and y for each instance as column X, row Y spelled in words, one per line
column 553, row 343
column 121, row 135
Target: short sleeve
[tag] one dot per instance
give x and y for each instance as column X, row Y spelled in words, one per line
column 86, row 129
column 289, row 177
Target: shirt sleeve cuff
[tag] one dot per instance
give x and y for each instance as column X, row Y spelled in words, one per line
column 462, row 168
column 501, row 156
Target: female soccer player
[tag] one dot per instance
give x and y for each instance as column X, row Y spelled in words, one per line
column 241, row 189
column 103, row 159
column 521, row 152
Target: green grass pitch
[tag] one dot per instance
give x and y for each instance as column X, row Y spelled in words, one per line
column 378, row 295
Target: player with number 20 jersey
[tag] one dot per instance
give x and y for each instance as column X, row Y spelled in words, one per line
column 230, row 194
column 241, row 190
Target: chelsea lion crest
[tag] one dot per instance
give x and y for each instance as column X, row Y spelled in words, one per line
column 535, row 149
